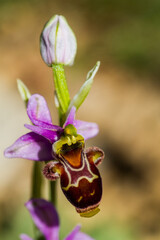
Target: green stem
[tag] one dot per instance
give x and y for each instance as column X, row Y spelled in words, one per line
column 61, row 88
column 62, row 118
column 36, row 190
column 53, row 192
column 63, row 99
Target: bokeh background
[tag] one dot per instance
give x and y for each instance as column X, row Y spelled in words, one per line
column 124, row 100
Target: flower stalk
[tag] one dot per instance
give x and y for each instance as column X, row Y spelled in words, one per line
column 61, row 91
column 36, row 184
column 63, row 98
column 52, row 193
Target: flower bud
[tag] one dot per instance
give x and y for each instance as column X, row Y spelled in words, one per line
column 57, row 42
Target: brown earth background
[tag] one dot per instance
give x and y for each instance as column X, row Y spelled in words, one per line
column 124, row 101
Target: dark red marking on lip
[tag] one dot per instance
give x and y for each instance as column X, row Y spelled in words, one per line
column 79, row 176
column 84, row 190
column 86, row 194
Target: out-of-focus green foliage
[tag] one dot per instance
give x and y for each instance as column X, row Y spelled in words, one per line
column 128, row 33
column 114, row 230
column 125, row 33
column 19, row 222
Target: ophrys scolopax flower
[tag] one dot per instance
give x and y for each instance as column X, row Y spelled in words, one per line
column 64, row 148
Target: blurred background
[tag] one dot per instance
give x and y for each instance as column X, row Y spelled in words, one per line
column 124, row 100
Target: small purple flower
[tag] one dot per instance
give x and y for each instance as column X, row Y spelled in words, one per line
column 46, row 219
column 64, row 148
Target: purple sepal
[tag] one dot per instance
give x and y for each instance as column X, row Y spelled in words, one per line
column 25, row 237
column 45, row 217
column 31, row 146
column 71, row 117
column 51, row 135
column 77, row 235
column 38, row 111
column 86, row 129
column 49, row 126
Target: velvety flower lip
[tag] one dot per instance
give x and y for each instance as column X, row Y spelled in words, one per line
column 46, row 219
column 37, row 144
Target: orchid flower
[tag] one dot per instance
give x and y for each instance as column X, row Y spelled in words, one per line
column 46, row 219
column 64, row 148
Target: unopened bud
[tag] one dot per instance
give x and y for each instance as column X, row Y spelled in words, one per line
column 57, row 42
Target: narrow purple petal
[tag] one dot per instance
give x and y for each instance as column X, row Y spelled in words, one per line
column 72, row 234
column 71, row 117
column 77, row 235
column 86, row 129
column 30, row 146
column 45, row 217
column 37, row 110
column 52, row 136
column 25, row 237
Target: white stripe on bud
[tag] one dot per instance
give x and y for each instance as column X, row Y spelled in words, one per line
column 57, row 42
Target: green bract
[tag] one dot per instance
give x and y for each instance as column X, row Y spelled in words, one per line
column 23, row 90
column 62, row 93
column 84, row 90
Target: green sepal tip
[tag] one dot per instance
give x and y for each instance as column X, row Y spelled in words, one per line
column 84, row 90
column 23, row 90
